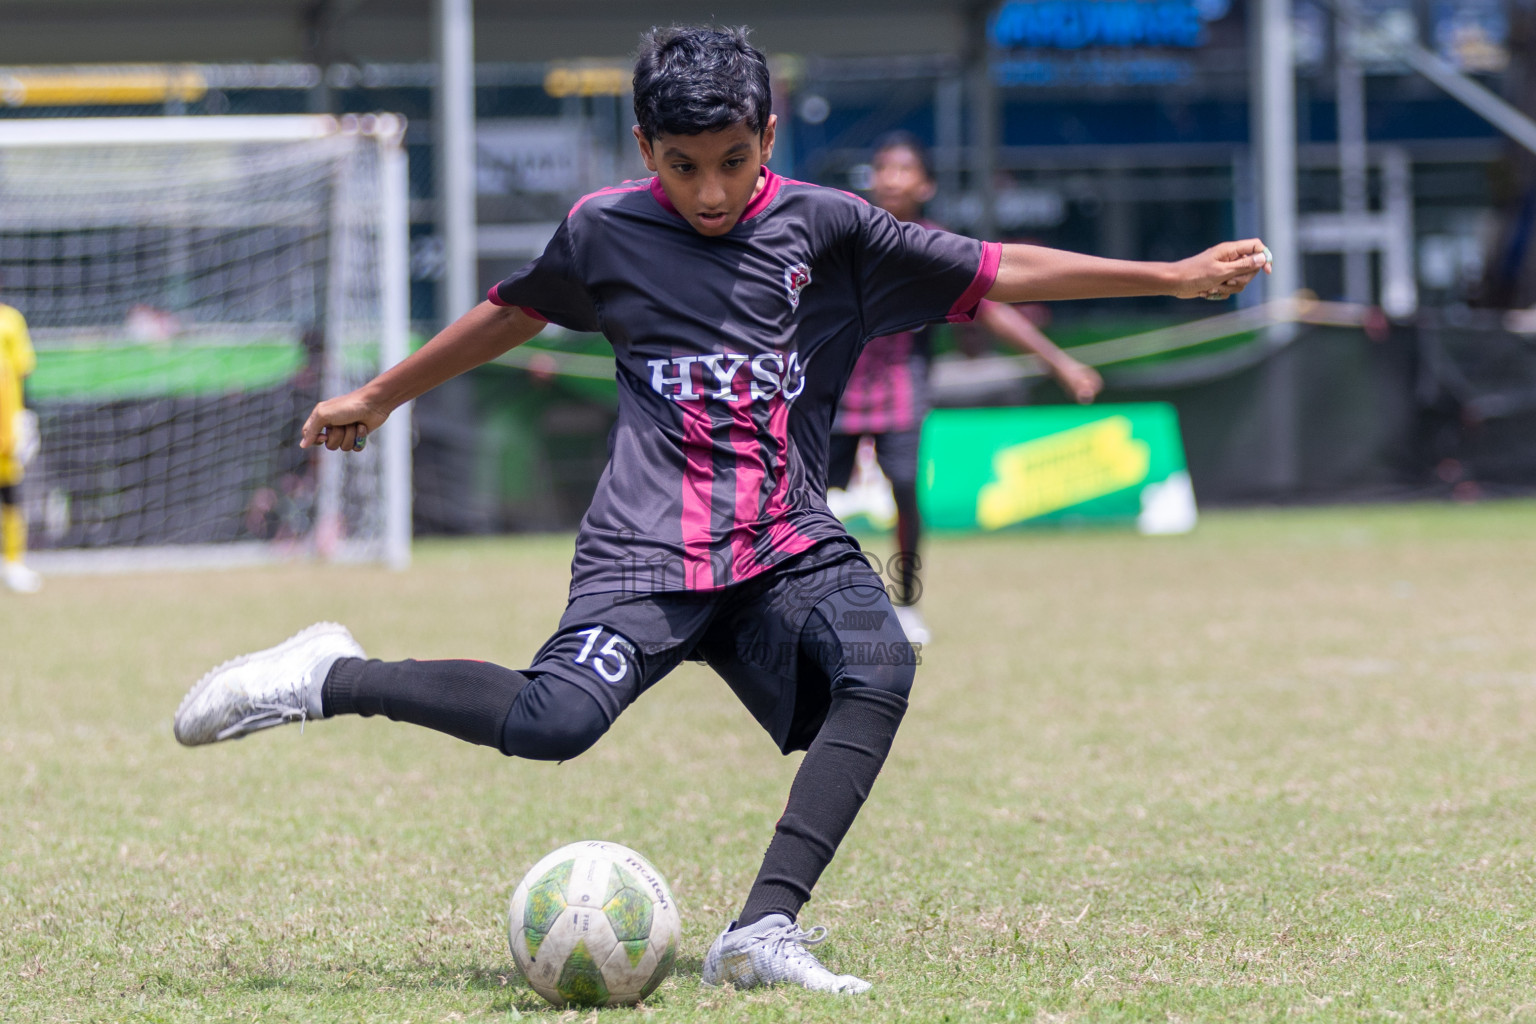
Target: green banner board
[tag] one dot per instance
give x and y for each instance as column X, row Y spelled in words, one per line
column 111, row 373
column 997, row 469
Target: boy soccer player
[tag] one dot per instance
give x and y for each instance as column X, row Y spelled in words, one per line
column 887, row 395
column 16, row 364
column 736, row 302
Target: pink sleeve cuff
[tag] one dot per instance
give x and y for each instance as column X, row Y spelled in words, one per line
column 494, row 298
column 965, row 307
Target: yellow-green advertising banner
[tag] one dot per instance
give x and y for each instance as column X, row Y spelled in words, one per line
column 997, row 469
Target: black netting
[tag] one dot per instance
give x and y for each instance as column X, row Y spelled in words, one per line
column 197, row 470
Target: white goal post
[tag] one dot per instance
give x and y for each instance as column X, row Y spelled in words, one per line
column 193, row 285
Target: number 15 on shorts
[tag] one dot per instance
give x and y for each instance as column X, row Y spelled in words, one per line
column 611, row 660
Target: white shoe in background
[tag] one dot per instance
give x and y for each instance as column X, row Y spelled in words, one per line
column 912, row 624
column 21, row 579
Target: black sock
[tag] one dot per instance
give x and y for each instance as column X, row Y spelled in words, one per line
column 832, row 784
column 469, row 700
column 909, row 529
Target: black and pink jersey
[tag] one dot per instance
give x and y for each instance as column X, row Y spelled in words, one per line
column 731, row 355
column 888, row 390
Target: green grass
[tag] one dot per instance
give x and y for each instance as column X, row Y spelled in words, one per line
column 1281, row 769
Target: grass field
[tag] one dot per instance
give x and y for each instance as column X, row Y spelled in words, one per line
column 1281, row 769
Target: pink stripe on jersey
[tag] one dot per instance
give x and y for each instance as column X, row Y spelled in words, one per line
column 874, row 406
column 778, row 429
column 783, row 538
column 881, row 394
column 628, row 186
column 698, row 493
column 764, row 195
column 902, row 387
column 829, row 188
column 660, row 195
column 964, row 309
column 750, row 470
column 758, row 204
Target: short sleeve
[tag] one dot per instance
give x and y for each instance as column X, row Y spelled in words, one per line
column 912, row 275
column 551, row 287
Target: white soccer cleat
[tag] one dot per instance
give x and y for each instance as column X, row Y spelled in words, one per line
column 257, row 691
column 21, row 579
column 912, row 624
column 772, row 952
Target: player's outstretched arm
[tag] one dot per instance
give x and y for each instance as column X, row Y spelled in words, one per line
column 1008, row 325
column 477, row 337
column 1033, row 273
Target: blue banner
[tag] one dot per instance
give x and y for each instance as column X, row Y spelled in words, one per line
column 1076, row 24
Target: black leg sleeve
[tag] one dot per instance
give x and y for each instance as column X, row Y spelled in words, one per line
column 469, row 700
column 832, row 784
column 909, row 529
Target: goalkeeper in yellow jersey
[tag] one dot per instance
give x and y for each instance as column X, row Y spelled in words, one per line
column 18, row 442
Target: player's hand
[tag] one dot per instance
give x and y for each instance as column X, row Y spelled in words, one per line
column 1221, row 271
column 342, row 423
column 1080, row 380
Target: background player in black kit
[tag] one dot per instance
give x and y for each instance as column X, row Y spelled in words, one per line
column 736, row 303
column 886, row 398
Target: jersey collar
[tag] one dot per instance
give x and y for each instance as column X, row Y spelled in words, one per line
column 759, row 203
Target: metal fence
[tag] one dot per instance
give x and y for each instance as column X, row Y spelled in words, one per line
column 1118, row 170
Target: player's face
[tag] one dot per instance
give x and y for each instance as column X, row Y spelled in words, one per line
column 901, row 185
column 710, row 177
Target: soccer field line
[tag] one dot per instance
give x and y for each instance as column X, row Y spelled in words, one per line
column 187, row 557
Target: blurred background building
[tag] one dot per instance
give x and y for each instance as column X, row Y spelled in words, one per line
column 1124, row 128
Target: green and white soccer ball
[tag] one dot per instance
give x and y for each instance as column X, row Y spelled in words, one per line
column 594, row 924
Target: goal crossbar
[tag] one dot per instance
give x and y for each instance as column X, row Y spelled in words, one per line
column 151, row 131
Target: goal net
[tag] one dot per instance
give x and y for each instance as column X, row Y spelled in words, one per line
column 193, row 287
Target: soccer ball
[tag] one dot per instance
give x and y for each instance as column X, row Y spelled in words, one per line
column 594, row 924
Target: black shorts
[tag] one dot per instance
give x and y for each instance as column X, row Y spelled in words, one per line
column 896, row 452
column 783, row 641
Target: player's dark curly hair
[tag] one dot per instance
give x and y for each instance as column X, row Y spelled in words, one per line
column 690, row 80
